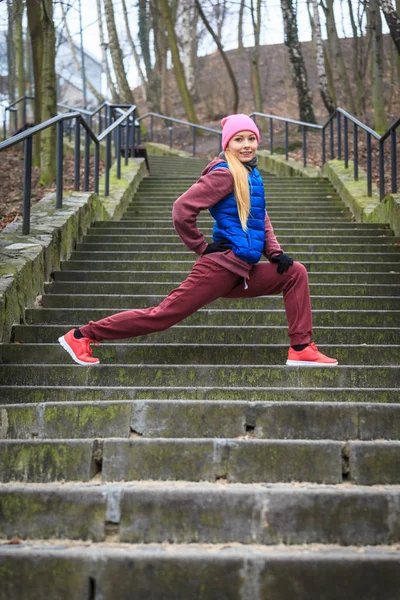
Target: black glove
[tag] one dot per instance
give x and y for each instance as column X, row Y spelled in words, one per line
column 284, row 262
column 220, row 246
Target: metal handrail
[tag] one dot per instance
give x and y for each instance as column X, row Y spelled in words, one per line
column 336, row 117
column 115, row 128
column 11, row 108
column 171, row 120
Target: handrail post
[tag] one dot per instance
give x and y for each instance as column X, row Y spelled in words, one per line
column 151, row 128
column 355, row 149
column 108, row 166
column 126, row 140
column 77, row 155
column 304, row 145
column 170, row 135
column 369, row 165
column 346, row 143
column 287, row 140
column 26, row 207
column 339, row 135
column 194, row 141
column 332, row 146
column 271, row 135
column 381, row 171
column 86, row 171
column 59, row 163
column 118, row 150
column 393, row 160
column 323, row 143
column 96, row 167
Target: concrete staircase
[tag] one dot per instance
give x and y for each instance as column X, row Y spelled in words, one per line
column 192, row 464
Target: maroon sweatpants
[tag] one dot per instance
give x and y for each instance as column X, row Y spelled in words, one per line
column 207, row 282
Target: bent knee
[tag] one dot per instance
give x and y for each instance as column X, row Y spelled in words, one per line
column 298, row 269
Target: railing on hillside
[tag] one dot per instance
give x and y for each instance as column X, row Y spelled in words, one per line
column 170, row 121
column 342, row 146
column 126, row 119
column 11, row 108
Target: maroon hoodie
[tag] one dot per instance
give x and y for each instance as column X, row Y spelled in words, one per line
column 212, row 187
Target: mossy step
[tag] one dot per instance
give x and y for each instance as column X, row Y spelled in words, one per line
column 281, row 231
column 93, row 263
column 320, row 284
column 196, row 419
column 225, row 317
column 119, row 302
column 147, row 353
column 193, row 571
column 293, row 222
column 59, row 393
column 203, row 513
column 173, row 375
column 185, row 334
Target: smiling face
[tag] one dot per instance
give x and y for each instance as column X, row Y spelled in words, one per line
column 243, row 145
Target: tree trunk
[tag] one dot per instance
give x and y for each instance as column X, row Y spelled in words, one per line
column 134, row 51
column 255, row 59
column 162, row 100
column 19, row 58
column 392, row 20
column 304, row 95
column 338, row 56
column 398, row 57
column 240, row 26
column 378, row 101
column 104, row 59
column 78, row 65
column 356, row 63
column 187, row 100
column 35, row 30
column 223, row 56
column 319, row 49
column 125, row 92
column 49, row 92
column 329, row 75
column 187, row 35
column 10, row 53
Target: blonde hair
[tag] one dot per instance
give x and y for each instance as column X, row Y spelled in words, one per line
column 240, row 187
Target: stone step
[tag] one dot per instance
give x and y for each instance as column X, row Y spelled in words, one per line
column 134, row 353
column 218, row 375
column 364, row 241
column 197, row 334
column 234, row 461
column 237, row 317
column 198, row 419
column 320, row 284
column 92, row 262
column 120, row 302
column 161, row 249
column 58, row 393
column 149, row 513
column 32, row 571
column 294, row 223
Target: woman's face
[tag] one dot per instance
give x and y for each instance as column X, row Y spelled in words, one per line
column 243, row 145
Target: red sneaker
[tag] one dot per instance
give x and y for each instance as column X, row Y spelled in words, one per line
column 309, row 357
column 79, row 350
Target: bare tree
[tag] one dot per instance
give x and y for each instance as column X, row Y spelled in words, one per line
column 304, row 95
column 104, row 59
column 240, row 25
column 35, row 32
column 78, row 65
column 188, row 22
column 125, row 92
column 378, row 101
column 392, row 20
column 319, row 49
column 10, row 52
column 187, row 100
column 49, row 94
column 223, row 56
column 19, row 55
column 255, row 59
column 134, row 51
column 356, row 42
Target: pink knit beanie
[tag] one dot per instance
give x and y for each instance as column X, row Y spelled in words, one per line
column 232, row 124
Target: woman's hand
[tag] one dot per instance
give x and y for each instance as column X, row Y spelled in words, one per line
column 220, row 246
column 284, row 262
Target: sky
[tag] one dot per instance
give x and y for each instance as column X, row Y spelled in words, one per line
column 271, row 32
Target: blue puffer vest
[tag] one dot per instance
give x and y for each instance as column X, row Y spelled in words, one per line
column 247, row 245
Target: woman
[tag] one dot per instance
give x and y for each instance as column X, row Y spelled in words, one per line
column 231, row 188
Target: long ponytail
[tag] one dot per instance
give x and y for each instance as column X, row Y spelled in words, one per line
column 240, row 186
